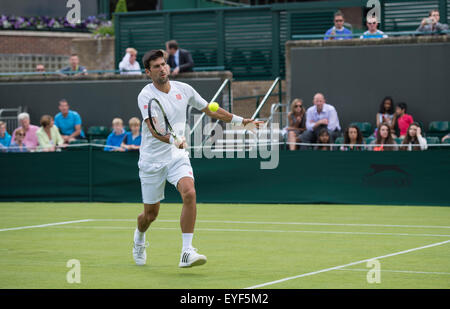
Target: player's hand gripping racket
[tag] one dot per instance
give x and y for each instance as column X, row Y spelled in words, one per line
column 160, row 124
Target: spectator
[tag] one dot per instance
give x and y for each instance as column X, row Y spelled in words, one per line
column 445, row 138
column 180, row 60
column 384, row 137
column 5, row 138
column 338, row 29
column 129, row 65
column 30, row 139
column 373, row 32
column 324, row 138
column 401, row 120
column 40, row 68
column 48, row 135
column 116, row 137
column 431, row 25
column 414, row 137
column 18, row 145
column 352, row 136
column 386, row 111
column 68, row 122
column 297, row 121
column 132, row 140
column 74, row 68
column 319, row 116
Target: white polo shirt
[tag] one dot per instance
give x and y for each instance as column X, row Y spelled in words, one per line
column 174, row 104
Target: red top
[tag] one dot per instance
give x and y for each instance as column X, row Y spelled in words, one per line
column 403, row 123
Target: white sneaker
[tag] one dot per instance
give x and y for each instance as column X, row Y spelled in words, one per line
column 190, row 258
column 139, row 254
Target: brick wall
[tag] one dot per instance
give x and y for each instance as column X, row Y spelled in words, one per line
column 36, row 42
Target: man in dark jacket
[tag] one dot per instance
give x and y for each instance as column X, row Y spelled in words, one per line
column 180, row 60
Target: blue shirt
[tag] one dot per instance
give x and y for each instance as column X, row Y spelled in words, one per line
column 66, row 125
column 68, row 70
column 328, row 112
column 128, row 139
column 377, row 35
column 114, row 140
column 338, row 32
column 6, row 140
column 15, row 148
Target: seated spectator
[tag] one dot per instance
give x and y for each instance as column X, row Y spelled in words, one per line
column 74, row 68
column 68, row 122
column 431, row 25
column 352, row 136
column 386, row 111
column 297, row 122
column 129, row 65
column 18, row 144
column 5, row 138
column 48, row 135
column 338, row 29
column 373, row 32
column 40, row 68
column 318, row 116
column 324, row 138
column 414, row 137
column 445, row 138
column 401, row 120
column 30, row 139
column 384, row 137
column 132, row 140
column 116, row 137
column 180, row 60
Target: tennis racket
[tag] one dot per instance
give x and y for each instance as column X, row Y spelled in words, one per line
column 158, row 120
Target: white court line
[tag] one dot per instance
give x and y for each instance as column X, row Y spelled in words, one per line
column 291, row 223
column 43, row 225
column 401, row 271
column 259, row 231
column 346, row 265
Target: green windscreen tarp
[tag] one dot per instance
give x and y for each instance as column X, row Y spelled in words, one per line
column 397, row 178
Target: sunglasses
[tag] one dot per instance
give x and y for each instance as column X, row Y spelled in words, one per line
column 339, row 21
column 297, row 106
column 374, row 23
column 19, row 134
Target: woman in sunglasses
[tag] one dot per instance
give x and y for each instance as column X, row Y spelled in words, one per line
column 17, row 145
column 297, row 123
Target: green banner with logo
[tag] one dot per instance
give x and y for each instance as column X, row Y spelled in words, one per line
column 389, row 178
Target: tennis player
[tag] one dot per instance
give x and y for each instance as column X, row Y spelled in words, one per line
column 165, row 158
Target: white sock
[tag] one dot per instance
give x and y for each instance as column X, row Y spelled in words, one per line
column 139, row 237
column 187, row 240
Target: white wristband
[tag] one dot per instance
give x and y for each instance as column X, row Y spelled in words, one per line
column 237, row 120
column 171, row 139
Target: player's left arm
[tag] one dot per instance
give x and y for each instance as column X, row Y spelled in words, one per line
column 225, row 116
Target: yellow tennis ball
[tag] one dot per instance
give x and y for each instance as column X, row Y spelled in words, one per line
column 214, row 106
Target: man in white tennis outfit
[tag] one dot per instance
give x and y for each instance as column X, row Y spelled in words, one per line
column 164, row 157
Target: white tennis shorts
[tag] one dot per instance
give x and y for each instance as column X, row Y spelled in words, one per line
column 153, row 177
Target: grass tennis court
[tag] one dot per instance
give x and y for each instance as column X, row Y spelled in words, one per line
column 246, row 246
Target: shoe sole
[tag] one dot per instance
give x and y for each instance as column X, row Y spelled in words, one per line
column 199, row 262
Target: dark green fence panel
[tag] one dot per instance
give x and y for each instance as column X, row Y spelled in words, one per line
column 389, row 178
column 248, row 43
column 198, row 34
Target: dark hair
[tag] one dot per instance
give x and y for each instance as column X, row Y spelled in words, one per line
column 409, row 139
column 359, row 138
column 152, row 55
column 324, row 131
column 172, row 44
column 389, row 139
column 339, row 13
column 46, row 120
column 63, row 100
column 391, row 110
column 431, row 12
column 403, row 105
